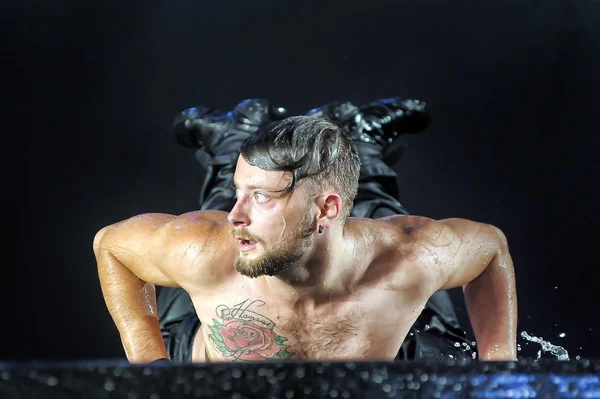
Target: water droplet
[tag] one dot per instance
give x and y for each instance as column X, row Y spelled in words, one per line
column 562, row 335
column 577, row 357
column 109, row 386
column 558, row 351
column 555, row 288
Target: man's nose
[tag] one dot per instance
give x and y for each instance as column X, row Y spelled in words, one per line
column 238, row 217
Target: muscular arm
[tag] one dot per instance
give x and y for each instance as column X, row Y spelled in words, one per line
column 132, row 257
column 484, row 268
column 475, row 256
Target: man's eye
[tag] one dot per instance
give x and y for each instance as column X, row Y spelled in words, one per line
column 260, row 197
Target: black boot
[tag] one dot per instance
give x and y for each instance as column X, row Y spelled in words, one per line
column 380, row 122
column 213, row 130
column 218, row 137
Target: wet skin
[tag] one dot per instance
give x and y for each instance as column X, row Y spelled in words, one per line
column 267, row 285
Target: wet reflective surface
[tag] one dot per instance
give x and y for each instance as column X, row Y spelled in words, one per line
column 451, row 379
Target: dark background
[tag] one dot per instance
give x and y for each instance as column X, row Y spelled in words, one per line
column 512, row 87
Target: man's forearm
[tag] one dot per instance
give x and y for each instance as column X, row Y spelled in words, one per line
column 491, row 301
column 131, row 303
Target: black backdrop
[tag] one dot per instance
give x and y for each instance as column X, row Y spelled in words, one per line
column 512, row 87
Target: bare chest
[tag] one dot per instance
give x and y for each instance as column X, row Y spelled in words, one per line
column 248, row 326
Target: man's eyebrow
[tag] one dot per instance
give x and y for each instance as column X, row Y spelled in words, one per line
column 254, row 187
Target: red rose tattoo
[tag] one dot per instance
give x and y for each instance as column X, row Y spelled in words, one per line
column 246, row 335
column 249, row 341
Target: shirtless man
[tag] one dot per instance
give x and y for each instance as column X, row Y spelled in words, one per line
column 287, row 275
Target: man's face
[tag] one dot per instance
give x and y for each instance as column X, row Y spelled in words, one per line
column 274, row 228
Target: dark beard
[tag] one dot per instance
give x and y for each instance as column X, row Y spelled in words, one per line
column 281, row 258
column 271, row 263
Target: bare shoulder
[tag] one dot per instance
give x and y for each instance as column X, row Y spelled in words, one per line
column 164, row 226
column 395, row 230
column 181, row 246
column 444, row 253
column 389, row 245
column 402, row 245
column 427, row 231
column 196, row 224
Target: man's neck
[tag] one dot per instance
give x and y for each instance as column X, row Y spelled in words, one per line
column 320, row 273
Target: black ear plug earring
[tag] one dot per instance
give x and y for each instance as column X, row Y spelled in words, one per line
column 320, row 229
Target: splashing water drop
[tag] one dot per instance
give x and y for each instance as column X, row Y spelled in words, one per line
column 562, row 335
column 558, row 351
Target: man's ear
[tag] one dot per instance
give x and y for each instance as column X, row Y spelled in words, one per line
column 330, row 206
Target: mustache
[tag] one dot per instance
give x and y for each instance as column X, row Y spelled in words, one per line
column 244, row 235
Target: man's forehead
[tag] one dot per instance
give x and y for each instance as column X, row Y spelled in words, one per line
column 249, row 175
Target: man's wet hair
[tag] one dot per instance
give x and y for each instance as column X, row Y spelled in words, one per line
column 309, row 148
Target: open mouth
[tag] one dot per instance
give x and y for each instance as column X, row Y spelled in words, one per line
column 246, row 245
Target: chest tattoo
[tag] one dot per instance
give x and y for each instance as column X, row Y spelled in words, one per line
column 241, row 332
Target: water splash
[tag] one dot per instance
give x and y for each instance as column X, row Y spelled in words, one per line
column 558, row 351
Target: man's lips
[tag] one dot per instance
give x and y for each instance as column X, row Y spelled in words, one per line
column 245, row 245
